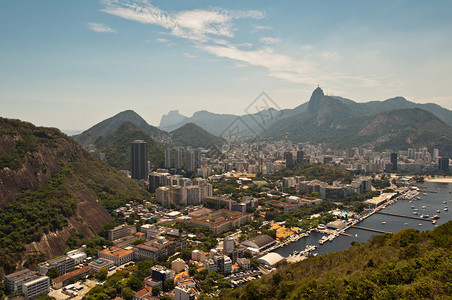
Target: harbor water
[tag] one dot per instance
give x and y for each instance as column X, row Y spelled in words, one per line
column 432, row 198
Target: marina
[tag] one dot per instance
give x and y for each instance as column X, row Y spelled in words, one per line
column 386, row 218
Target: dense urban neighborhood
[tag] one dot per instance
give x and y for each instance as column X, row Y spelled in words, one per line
column 216, row 217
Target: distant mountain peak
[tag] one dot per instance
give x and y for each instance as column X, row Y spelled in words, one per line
column 314, row 101
column 171, row 118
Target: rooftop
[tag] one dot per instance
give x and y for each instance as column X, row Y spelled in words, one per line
column 116, row 251
column 72, row 274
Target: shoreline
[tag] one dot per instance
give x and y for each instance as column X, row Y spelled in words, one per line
column 439, row 179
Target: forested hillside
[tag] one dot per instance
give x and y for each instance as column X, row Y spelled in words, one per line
column 50, row 186
column 406, row 265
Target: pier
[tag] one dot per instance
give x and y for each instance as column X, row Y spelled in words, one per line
column 404, row 216
column 370, row 229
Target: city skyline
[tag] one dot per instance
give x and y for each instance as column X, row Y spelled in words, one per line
column 70, row 65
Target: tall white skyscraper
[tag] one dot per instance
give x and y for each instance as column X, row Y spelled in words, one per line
column 168, row 158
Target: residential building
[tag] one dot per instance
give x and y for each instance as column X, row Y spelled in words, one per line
column 31, row 283
column 244, row 263
column 394, row 161
column 139, row 159
column 178, row 265
column 62, row 264
column 120, row 231
column 184, row 293
column 443, row 164
column 168, row 158
column 178, row 159
column 288, row 157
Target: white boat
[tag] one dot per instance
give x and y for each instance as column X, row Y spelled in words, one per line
column 406, row 224
column 446, row 209
column 383, row 222
column 412, row 207
column 419, row 224
column 423, row 207
column 415, row 213
column 438, row 211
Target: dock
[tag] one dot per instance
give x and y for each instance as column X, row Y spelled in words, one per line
column 370, row 229
column 404, row 216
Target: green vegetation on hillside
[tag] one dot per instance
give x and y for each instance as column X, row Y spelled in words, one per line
column 32, row 215
column 48, row 208
column 116, row 146
column 112, row 188
column 26, row 138
column 108, row 126
column 194, row 136
column 406, row 265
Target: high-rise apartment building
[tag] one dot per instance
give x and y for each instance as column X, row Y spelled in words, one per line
column 189, row 160
column 443, row 164
column 178, row 159
column 168, row 158
column 394, row 161
column 139, row 159
column 300, row 156
column 289, row 159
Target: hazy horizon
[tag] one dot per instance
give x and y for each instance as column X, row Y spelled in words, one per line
column 73, row 64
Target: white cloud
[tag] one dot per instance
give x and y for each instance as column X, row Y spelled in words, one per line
column 278, row 65
column 260, row 27
column 99, row 27
column 189, row 55
column 269, row 40
column 191, row 24
column 211, row 31
column 162, row 40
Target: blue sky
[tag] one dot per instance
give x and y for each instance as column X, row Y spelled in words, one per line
column 71, row 64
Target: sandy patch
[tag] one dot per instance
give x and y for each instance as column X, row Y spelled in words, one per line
column 439, row 179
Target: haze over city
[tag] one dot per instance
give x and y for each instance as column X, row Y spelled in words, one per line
column 70, row 64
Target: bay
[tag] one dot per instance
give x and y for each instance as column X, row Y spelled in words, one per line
column 436, row 194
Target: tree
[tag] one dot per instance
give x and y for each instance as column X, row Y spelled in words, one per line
column 127, row 293
column 156, row 290
column 204, row 296
column 165, row 297
column 168, row 285
column 53, row 273
column 192, row 270
column 101, row 274
column 44, row 296
column 186, row 253
column 137, row 242
column 134, row 283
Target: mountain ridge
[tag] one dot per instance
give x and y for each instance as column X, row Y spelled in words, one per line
column 332, row 121
column 109, row 125
column 192, row 135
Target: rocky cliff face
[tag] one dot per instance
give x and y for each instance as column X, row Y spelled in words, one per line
column 89, row 218
column 43, row 171
column 37, row 166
